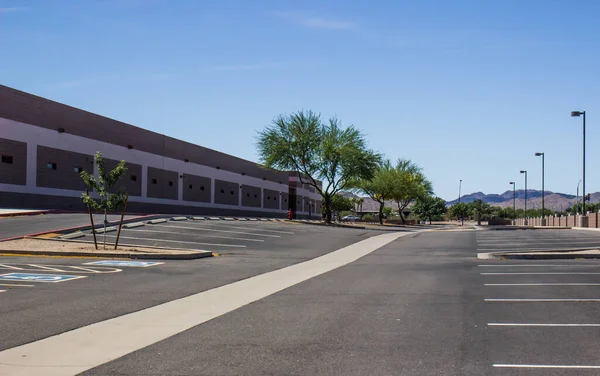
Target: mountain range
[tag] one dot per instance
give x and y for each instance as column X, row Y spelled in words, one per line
column 552, row 200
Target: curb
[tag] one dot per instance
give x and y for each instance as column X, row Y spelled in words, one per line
column 139, row 256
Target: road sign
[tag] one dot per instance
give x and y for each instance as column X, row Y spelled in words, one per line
column 130, row 264
column 33, row 277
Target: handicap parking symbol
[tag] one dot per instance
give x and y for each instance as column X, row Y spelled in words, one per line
column 34, row 277
column 131, row 264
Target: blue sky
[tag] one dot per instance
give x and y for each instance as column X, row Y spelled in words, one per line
column 467, row 89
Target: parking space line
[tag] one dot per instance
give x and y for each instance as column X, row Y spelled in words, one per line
column 178, row 241
column 227, row 231
column 10, row 267
column 542, row 284
column 542, row 265
column 543, row 366
column 542, row 273
column 14, row 285
column 542, row 300
column 246, row 227
column 544, row 325
column 212, row 236
column 46, row 268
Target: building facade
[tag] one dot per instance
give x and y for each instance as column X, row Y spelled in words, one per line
column 44, row 145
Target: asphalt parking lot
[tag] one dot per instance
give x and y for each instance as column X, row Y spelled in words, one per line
column 542, row 317
column 225, row 237
column 530, row 240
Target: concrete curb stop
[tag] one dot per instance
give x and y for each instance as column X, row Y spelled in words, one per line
column 565, row 254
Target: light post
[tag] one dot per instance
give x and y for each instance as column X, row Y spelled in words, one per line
column 583, row 219
column 577, row 199
column 543, row 207
column 459, row 187
column 526, row 222
column 514, row 200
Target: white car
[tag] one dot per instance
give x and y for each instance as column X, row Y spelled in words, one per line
column 350, row 218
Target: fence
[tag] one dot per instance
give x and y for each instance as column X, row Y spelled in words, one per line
column 560, row 220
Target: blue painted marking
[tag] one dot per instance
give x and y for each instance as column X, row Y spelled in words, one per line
column 131, row 264
column 35, row 277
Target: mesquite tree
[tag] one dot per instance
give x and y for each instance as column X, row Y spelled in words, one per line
column 108, row 198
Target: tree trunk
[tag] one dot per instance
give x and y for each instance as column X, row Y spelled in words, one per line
column 328, row 213
column 478, row 219
column 381, row 204
column 93, row 228
column 400, row 214
column 121, row 223
column 429, row 220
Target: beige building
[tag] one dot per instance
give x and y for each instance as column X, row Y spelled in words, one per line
column 44, row 145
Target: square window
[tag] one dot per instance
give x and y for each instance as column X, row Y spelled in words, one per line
column 78, row 169
column 190, row 186
column 231, row 193
column 202, row 188
column 154, row 181
column 170, row 184
column 8, row 159
column 222, row 191
column 51, row 166
column 133, row 178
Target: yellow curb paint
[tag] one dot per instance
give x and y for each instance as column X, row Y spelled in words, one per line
column 48, row 236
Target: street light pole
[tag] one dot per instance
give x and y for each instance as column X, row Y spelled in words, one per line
column 459, row 187
column 543, row 207
column 583, row 220
column 514, row 200
column 525, row 172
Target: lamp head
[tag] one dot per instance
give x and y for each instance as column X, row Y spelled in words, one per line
column 511, row 182
column 577, row 113
column 539, row 154
column 523, row 171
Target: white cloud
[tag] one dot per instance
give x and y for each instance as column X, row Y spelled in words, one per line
column 313, row 22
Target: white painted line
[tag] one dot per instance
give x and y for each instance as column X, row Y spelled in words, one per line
column 253, row 228
column 210, row 236
column 177, row 241
column 541, row 300
column 544, row 273
column 525, row 249
column 103, row 270
column 544, row 265
column 45, row 268
column 4, row 266
column 548, row 325
column 540, row 284
column 75, row 351
column 202, row 228
column 15, row 285
column 543, row 366
column 2, row 290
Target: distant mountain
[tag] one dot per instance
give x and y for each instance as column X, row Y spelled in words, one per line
column 552, row 200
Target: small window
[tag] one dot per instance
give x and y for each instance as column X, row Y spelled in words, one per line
column 222, row 191
column 285, row 200
column 78, row 169
column 51, row 166
column 190, row 186
column 133, row 178
column 8, row 159
column 247, row 194
column 231, row 193
column 268, row 198
column 202, row 188
column 255, row 196
column 154, row 181
column 170, row 184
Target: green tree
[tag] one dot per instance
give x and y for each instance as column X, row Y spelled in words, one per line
column 387, row 211
column 108, row 199
column 340, row 203
column 479, row 208
column 429, row 207
column 460, row 211
column 381, row 186
column 410, row 185
column 360, row 201
column 329, row 152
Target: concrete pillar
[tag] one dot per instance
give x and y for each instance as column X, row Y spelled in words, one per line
column 240, row 191
column 212, row 191
column 583, row 221
column 180, row 187
column 31, row 177
column 144, row 181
